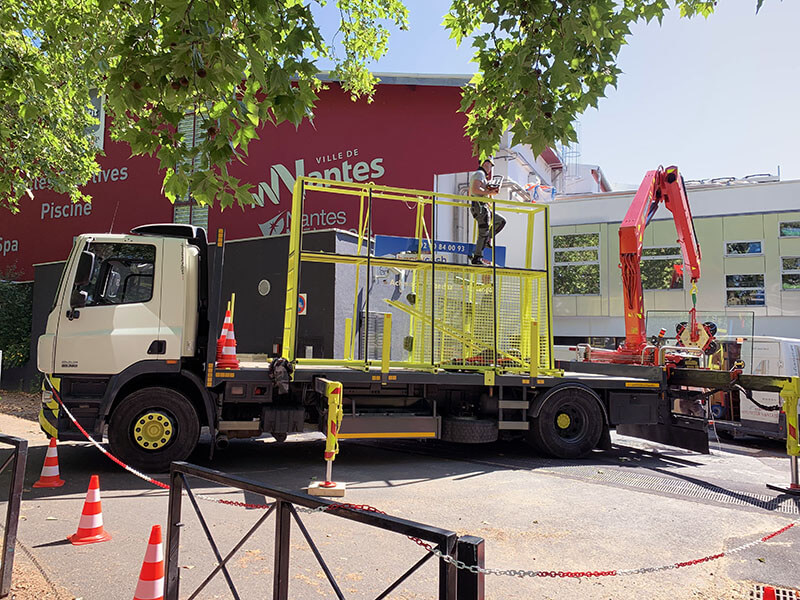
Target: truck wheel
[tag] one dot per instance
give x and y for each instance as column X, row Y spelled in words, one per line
column 152, row 427
column 569, row 425
column 467, row 430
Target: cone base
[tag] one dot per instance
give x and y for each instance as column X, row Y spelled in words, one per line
column 227, row 365
column 103, row 536
column 49, row 484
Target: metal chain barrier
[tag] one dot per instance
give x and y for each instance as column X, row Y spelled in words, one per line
column 521, row 573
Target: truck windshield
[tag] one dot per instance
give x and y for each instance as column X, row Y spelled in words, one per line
column 123, row 274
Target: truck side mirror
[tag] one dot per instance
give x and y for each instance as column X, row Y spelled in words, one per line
column 78, row 299
column 83, row 274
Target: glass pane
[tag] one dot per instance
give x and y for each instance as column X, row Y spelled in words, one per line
column 576, row 256
column 665, row 251
column 746, row 297
column 791, row 281
column 790, row 229
column 578, row 279
column 743, row 248
column 744, row 281
column 576, row 240
column 791, row 263
column 123, row 274
column 664, row 274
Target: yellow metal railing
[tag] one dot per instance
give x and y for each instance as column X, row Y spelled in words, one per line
column 455, row 316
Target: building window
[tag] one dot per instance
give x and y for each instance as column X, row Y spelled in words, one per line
column 190, row 213
column 790, row 272
column 662, row 268
column 745, row 290
column 186, row 209
column 742, row 248
column 790, row 229
column 576, row 263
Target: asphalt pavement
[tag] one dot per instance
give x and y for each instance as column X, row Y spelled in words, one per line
column 639, row 505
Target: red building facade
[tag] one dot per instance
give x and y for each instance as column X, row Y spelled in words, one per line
column 411, row 132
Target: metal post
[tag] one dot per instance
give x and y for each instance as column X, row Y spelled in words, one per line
column 368, row 282
column 470, row 551
column 20, row 454
column 790, row 393
column 386, row 355
column 448, row 573
column 534, row 363
column 280, row 582
column 348, row 332
column 172, row 581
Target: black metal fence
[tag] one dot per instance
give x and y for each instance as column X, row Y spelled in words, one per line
column 452, row 583
column 17, row 458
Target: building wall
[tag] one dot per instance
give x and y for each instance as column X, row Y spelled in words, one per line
column 742, row 214
column 408, row 135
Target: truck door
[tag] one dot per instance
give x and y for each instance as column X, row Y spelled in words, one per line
column 119, row 325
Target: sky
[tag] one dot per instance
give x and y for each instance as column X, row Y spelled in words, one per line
column 718, row 97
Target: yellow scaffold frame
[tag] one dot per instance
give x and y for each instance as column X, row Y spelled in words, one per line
column 535, row 345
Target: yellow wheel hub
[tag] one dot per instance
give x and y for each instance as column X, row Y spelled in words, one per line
column 153, row 430
column 563, row 421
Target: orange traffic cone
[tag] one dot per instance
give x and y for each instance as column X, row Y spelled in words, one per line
column 90, row 527
column 151, row 577
column 50, row 477
column 226, row 326
column 229, row 360
column 769, row 593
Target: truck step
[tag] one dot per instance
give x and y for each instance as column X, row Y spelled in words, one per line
column 514, row 404
column 519, row 425
column 239, row 426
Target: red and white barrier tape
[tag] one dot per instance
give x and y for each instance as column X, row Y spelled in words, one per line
column 427, row 546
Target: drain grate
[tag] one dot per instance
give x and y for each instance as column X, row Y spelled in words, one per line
column 757, row 593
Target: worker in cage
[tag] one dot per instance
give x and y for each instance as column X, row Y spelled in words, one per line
column 479, row 185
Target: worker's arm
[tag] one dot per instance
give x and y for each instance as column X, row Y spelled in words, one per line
column 478, row 188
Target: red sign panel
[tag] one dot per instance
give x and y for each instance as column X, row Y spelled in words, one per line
column 404, row 138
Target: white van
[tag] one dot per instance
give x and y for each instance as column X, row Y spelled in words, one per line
column 741, row 416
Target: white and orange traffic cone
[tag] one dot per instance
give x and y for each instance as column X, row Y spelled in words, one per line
column 90, row 527
column 50, row 477
column 151, row 577
column 229, row 360
column 226, row 326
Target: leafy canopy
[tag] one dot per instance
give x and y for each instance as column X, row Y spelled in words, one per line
column 237, row 65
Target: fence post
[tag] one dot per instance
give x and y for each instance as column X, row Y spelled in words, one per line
column 448, row 574
column 470, row 551
column 20, row 454
column 172, row 581
column 280, row 582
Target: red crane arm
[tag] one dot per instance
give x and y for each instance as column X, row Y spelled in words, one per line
column 662, row 185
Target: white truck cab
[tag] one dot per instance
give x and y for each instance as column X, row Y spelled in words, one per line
column 115, row 306
column 125, row 341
